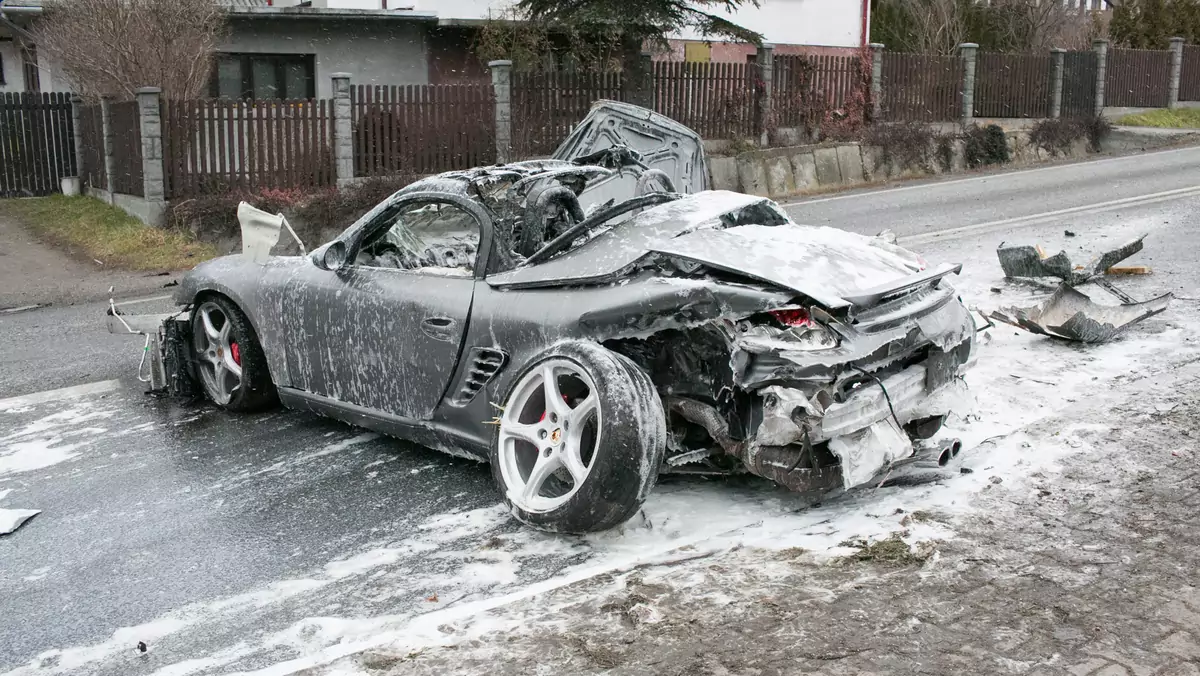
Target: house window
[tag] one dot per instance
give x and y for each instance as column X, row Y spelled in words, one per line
column 264, row 76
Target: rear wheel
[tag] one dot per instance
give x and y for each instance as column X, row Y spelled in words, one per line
column 580, row 440
column 230, row 363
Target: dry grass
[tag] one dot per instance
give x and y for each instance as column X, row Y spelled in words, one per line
column 1177, row 118
column 90, row 229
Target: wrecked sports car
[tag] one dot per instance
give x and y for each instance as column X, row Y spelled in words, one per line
column 583, row 323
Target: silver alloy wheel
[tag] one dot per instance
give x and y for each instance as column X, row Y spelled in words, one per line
column 218, row 356
column 549, row 435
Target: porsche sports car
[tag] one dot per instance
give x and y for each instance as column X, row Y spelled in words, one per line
column 586, row 322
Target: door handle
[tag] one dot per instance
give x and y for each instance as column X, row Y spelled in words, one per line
column 439, row 328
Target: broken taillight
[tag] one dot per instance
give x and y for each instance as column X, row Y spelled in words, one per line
column 793, row 317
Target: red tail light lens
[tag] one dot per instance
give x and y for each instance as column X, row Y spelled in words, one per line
column 797, row 317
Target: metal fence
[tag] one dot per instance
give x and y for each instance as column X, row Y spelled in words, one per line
column 807, row 87
column 1079, row 84
column 547, row 106
column 1137, row 78
column 1012, row 85
column 1189, row 75
column 717, row 100
column 127, row 148
column 212, row 146
column 36, row 143
column 921, row 87
column 92, row 171
column 422, row 129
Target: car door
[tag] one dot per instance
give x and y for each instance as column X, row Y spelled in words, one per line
column 383, row 331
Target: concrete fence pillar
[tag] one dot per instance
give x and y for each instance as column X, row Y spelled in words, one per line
column 343, row 130
column 969, row 51
column 1176, row 71
column 1100, row 46
column 502, row 88
column 876, row 80
column 1058, row 67
column 77, row 134
column 106, row 133
column 765, row 60
column 154, row 186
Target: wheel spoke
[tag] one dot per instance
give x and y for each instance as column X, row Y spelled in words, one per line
column 537, row 477
column 521, row 431
column 210, row 329
column 223, row 335
column 554, row 398
column 573, row 461
column 579, row 415
column 230, row 365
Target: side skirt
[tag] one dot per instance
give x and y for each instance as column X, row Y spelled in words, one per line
column 435, row 436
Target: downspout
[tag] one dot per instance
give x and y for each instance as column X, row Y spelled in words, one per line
column 866, row 24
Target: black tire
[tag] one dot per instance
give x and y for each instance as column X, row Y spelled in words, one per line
column 256, row 391
column 625, row 463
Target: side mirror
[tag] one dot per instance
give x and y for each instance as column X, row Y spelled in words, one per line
column 332, row 258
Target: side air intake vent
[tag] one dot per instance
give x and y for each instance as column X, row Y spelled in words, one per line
column 483, row 363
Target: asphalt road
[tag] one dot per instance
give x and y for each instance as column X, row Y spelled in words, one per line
column 224, row 531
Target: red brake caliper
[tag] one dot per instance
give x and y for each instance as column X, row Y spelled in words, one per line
column 236, row 353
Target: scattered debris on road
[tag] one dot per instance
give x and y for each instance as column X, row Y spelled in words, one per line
column 1031, row 262
column 12, row 519
column 1071, row 315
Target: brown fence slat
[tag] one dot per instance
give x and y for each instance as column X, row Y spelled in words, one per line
column 1137, row 78
column 1189, row 75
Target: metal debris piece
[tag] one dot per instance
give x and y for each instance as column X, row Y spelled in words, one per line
column 12, row 519
column 1031, row 261
column 1071, row 315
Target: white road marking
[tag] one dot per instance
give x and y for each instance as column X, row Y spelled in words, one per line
column 984, row 177
column 62, row 393
column 144, row 300
column 1034, row 219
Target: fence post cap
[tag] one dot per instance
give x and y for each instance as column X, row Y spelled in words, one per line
column 148, row 90
column 969, row 45
column 499, row 63
column 76, row 98
column 876, row 45
column 1058, row 50
column 767, row 45
column 1100, row 41
column 341, row 76
column 1178, row 41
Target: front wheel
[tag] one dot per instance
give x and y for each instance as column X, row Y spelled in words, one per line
column 580, row 440
column 230, row 363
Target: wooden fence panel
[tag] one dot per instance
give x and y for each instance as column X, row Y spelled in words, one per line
column 921, row 87
column 717, row 100
column 1137, row 78
column 213, row 146
column 1012, row 85
column 1189, row 76
column 422, row 129
column 547, row 106
column 1079, row 84
column 37, row 145
column 808, row 87
column 127, row 147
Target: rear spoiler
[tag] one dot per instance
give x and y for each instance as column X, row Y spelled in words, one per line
column 872, row 297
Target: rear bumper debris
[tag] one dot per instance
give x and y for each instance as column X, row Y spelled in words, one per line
column 1071, row 315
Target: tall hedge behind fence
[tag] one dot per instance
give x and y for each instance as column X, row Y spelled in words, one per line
column 36, row 143
column 127, row 148
column 1012, row 85
column 547, row 106
column 921, row 87
column 717, row 100
column 1079, row 84
column 1137, row 78
column 212, row 146
column 1189, row 81
column 806, row 86
column 422, row 129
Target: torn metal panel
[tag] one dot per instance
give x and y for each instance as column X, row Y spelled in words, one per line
column 1071, row 315
column 865, row 452
column 1028, row 261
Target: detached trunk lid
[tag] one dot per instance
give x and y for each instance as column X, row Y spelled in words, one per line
column 833, row 267
column 663, row 143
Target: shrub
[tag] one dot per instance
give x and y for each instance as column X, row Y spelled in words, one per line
column 984, row 146
column 1057, row 136
column 904, row 144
